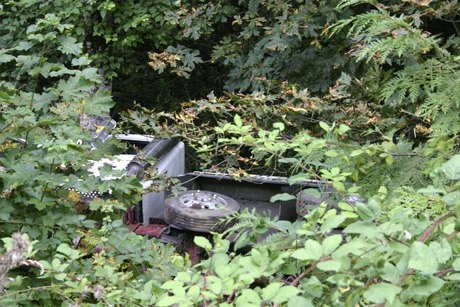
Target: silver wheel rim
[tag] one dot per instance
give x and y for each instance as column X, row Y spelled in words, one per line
column 202, row 200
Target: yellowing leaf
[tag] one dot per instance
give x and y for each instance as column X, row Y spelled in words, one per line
column 73, row 196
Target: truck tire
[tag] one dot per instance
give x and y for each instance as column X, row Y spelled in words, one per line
column 199, row 211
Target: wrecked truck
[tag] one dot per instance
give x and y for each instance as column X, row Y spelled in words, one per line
column 205, row 197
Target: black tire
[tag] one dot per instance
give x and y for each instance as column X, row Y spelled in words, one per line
column 196, row 217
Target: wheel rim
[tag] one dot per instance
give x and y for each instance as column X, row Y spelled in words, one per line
column 202, row 200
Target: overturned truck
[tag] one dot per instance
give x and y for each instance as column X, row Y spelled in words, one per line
column 206, row 197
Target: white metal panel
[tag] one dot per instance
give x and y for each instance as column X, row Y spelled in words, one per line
column 173, row 164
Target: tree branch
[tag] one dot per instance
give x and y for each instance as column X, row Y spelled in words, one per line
column 308, row 270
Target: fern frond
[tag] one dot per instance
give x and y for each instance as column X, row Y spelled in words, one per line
column 407, row 169
column 274, row 239
column 382, row 37
column 346, row 3
column 407, row 197
column 446, row 124
column 433, row 85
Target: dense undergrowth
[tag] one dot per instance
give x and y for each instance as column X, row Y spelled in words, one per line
column 359, row 94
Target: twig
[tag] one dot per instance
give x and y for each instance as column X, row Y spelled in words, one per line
column 446, row 271
column 452, row 235
column 230, row 297
column 308, row 270
column 430, row 230
column 425, row 236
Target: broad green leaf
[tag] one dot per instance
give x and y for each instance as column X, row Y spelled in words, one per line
column 343, row 129
column 332, row 222
column 60, row 276
column 74, row 89
column 270, row 291
column 40, row 205
column 313, row 286
column 382, row 292
column 390, row 273
column 193, row 293
column 117, row 223
column 389, row 159
column 82, row 61
column 331, row 243
column 455, row 276
column 223, row 270
column 69, row 45
column 24, row 45
column 172, row 285
column 248, row 297
column 5, row 58
column 28, row 61
column 282, row 197
column 457, row 210
column 456, row 264
column 183, row 277
column 355, row 247
column 452, row 198
column 432, row 190
column 338, row 185
column 331, row 153
column 330, row 265
column 374, row 207
column 383, row 190
column 68, row 251
column 311, row 251
column 425, row 287
column 441, row 250
column 284, row 293
column 366, row 228
column 335, row 171
column 202, row 242
column 98, row 103
column 215, row 286
column 311, row 192
column 345, row 206
column 297, row 301
column 249, row 139
column 364, row 211
column 167, row 300
column 58, row 266
column 357, row 152
column 325, row 126
column 279, row 126
column 422, row 259
column 91, row 74
column 452, row 168
column 238, row 121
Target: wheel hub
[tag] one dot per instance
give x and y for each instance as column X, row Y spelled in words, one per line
column 202, row 200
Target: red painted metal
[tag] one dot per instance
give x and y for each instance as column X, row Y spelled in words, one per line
column 154, row 230
column 128, row 217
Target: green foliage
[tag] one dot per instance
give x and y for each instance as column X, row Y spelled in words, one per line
column 84, row 252
column 387, row 230
column 397, row 247
column 426, row 66
column 186, row 57
column 109, row 32
column 389, row 235
column 401, row 261
column 264, row 41
column 115, row 37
